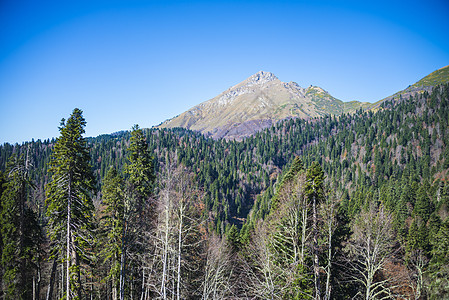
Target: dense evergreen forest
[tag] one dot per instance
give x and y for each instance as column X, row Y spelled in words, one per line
column 339, row 207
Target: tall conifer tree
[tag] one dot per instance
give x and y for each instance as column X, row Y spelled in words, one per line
column 69, row 200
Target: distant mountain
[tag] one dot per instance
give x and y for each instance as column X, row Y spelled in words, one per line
column 440, row 76
column 257, row 103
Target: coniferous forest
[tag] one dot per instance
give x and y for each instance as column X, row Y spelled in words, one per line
column 353, row 206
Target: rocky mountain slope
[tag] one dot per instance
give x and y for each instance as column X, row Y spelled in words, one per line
column 257, row 103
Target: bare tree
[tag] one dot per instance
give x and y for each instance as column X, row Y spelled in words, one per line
column 218, row 272
column 369, row 249
column 178, row 242
column 291, row 219
column 266, row 279
column 328, row 211
column 280, row 245
column 418, row 261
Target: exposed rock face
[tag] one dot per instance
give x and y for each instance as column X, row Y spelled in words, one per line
column 257, row 103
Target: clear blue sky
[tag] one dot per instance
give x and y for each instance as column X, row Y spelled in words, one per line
column 142, row 62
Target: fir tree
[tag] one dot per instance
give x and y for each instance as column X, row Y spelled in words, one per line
column 69, row 199
column 139, row 168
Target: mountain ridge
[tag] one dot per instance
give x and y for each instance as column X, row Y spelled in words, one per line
column 425, row 84
column 257, row 103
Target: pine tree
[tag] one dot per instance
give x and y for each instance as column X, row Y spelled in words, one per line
column 69, row 199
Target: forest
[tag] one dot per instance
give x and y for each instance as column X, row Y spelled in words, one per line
column 353, row 206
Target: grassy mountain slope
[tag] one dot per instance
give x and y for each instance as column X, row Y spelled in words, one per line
column 440, row 76
column 257, row 103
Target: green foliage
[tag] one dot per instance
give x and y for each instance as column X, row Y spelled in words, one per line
column 112, row 223
column 437, row 77
column 296, row 167
column 423, row 206
column 315, row 182
column 439, row 265
column 139, row 166
column 69, row 197
column 20, row 232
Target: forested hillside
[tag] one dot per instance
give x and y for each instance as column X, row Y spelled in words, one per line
column 283, row 214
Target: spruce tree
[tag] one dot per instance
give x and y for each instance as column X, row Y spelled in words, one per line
column 139, row 168
column 69, row 200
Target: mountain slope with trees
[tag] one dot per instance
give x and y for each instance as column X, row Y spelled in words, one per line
column 289, row 203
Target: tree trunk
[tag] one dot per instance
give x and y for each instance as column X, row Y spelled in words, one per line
column 114, row 287
column 34, row 287
column 316, row 266
column 61, row 290
column 329, row 219
column 52, row 279
column 78, row 270
column 303, row 231
column 69, row 248
column 142, row 292
column 38, row 283
column 123, row 263
column 329, row 259
column 165, row 254
column 181, row 212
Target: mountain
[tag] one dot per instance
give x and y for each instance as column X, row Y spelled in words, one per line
column 257, row 103
column 426, row 84
column 396, row 157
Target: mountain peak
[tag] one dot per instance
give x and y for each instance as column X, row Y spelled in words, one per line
column 256, row 103
column 262, row 77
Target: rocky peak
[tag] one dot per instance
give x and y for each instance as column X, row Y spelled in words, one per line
column 248, row 86
column 261, row 77
column 316, row 89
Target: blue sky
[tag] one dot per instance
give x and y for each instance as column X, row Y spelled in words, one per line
column 142, row 62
